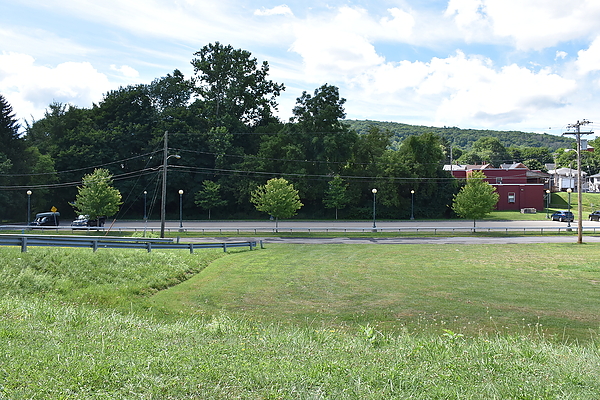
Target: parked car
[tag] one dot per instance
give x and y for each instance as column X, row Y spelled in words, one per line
column 85, row 221
column 46, row 219
column 563, row 216
column 595, row 216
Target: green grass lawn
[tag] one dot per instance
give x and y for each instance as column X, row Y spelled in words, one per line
column 302, row 322
column 423, row 288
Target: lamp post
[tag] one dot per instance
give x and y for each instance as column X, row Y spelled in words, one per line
column 374, row 191
column 180, row 209
column 145, row 213
column 547, row 203
column 412, row 204
column 569, row 190
column 28, row 205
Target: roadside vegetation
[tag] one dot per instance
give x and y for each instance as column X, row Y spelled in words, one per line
column 308, row 322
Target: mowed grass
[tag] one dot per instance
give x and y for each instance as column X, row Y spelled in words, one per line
column 550, row 288
column 301, row 322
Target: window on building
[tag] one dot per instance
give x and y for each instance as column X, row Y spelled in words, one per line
column 511, row 197
column 498, row 180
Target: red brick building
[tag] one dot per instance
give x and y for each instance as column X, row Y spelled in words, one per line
column 518, row 186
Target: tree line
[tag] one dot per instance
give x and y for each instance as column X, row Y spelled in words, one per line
column 221, row 124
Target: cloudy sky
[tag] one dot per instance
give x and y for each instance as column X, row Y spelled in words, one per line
column 531, row 65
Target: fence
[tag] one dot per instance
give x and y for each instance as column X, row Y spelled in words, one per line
column 562, row 228
column 24, row 241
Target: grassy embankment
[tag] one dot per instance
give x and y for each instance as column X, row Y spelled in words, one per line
column 335, row 322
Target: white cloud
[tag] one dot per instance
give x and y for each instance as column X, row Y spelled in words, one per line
column 279, row 10
column 30, row 88
column 561, row 54
column 470, row 18
column 400, row 26
column 338, row 49
column 467, row 90
column 126, row 71
column 46, row 43
column 589, row 60
column 528, row 24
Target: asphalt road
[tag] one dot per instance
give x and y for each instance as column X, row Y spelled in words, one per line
column 383, row 226
column 352, row 225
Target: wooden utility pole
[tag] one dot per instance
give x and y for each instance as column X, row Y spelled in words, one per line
column 163, row 197
column 577, row 133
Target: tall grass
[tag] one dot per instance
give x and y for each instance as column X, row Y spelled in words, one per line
column 51, row 351
column 77, row 325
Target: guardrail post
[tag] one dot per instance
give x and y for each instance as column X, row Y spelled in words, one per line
column 261, row 245
column 95, row 245
column 149, row 246
column 225, row 247
column 23, row 244
column 191, row 248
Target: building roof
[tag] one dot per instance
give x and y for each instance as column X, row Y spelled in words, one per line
column 566, row 172
column 465, row 167
column 514, row 166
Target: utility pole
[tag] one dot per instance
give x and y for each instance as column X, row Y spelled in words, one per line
column 163, row 198
column 577, row 133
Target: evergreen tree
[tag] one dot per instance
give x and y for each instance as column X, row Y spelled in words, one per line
column 12, row 162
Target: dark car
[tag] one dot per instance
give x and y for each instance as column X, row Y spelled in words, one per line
column 85, row 221
column 46, row 219
column 595, row 216
column 563, row 216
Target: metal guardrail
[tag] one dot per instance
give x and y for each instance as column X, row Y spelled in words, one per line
column 256, row 230
column 149, row 244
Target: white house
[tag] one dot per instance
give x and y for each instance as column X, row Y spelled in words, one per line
column 566, row 178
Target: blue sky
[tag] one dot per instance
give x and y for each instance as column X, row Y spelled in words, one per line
column 531, row 65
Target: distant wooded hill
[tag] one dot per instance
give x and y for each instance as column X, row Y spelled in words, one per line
column 464, row 138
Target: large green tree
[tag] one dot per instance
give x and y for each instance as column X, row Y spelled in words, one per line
column 319, row 125
column 277, row 198
column 97, row 197
column 476, row 199
column 234, row 89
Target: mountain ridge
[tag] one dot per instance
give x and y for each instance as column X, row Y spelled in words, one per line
column 464, row 138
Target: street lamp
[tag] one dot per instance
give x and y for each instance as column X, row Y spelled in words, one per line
column 374, row 191
column 412, row 204
column 569, row 190
column 145, row 213
column 547, row 203
column 180, row 209
column 28, row 205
